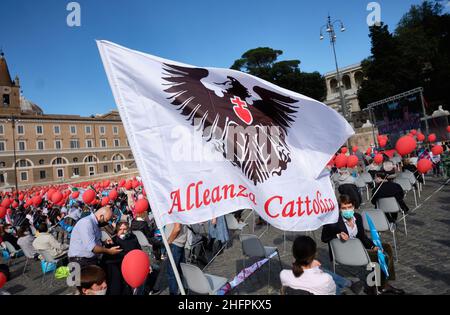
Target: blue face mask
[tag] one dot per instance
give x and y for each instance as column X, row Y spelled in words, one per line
column 348, row 214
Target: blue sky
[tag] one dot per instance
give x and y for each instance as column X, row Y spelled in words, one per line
column 60, row 68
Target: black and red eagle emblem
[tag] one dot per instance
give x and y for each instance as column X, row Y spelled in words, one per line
column 216, row 107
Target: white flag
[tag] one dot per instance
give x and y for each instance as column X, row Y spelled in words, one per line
column 211, row 141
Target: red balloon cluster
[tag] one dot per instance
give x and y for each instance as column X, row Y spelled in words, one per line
column 405, row 145
column 135, row 267
column 341, row 160
column 437, row 149
column 2, row 212
column 89, row 196
column 378, row 159
column 352, row 161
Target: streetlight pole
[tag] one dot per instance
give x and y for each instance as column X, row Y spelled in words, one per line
column 330, row 30
column 13, row 123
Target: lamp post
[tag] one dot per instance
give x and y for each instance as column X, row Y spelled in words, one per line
column 13, row 124
column 331, row 32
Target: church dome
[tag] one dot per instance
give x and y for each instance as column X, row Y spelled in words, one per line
column 28, row 107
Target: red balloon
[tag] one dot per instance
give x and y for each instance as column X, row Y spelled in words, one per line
column 2, row 212
column 382, row 142
column 2, row 279
column 413, row 132
column 355, row 149
column 341, row 160
column 344, row 150
column 437, row 149
column 6, row 202
column 448, row 128
column 37, row 200
column 57, row 196
column 424, row 166
column 105, row 201
column 405, row 145
column 378, row 159
column 420, row 137
column 113, row 194
column 15, row 204
column 135, row 267
column 75, row 194
column 128, row 185
column 21, row 197
column 106, row 183
column 135, row 184
column 432, row 137
column 369, row 151
column 141, row 206
column 352, row 161
column 88, row 196
column 122, row 182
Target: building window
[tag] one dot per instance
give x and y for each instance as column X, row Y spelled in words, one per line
column 2, row 145
column 22, row 146
column 2, row 129
column 73, row 130
column 60, row 172
column 20, row 130
column 2, row 164
column 23, row 163
column 76, row 171
column 88, row 130
column 39, row 130
column 89, row 143
column 58, row 144
column 42, row 175
column 2, row 178
column 5, row 99
column 24, row 176
column 41, row 162
column 103, row 143
column 74, row 144
column 75, row 160
column 105, row 168
column 57, row 130
column 102, row 130
column 116, row 130
column 90, row 159
column 116, row 142
column 40, row 145
column 58, row 161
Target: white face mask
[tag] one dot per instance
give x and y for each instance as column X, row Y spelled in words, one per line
column 99, row 292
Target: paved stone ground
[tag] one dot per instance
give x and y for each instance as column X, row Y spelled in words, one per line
column 423, row 267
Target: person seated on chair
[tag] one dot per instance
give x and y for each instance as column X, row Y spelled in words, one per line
column 139, row 223
column 350, row 226
column 25, row 241
column 92, row 281
column 386, row 188
column 8, row 235
column 407, row 165
column 306, row 273
column 47, row 242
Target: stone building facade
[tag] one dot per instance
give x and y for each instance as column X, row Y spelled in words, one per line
column 55, row 148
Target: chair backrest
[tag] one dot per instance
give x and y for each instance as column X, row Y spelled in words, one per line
column 232, row 223
column 404, row 182
column 379, row 220
column 11, row 249
column 360, row 182
column 367, row 177
column 251, row 246
column 193, row 237
column 105, row 236
column 388, row 204
column 195, row 279
column 46, row 256
column 349, row 253
column 26, row 252
column 141, row 239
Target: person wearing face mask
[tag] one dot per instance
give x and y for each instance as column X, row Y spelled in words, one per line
column 8, row 235
column 92, row 281
column 350, row 226
column 86, row 239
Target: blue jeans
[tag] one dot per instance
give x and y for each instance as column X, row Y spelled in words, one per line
column 178, row 257
column 340, row 282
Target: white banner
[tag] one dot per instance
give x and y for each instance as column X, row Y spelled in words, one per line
column 211, row 141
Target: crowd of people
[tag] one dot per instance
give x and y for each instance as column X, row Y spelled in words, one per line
column 98, row 234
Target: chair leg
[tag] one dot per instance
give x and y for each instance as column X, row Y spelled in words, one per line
column 404, row 222
column 268, row 280
column 415, row 197
column 367, row 189
column 25, row 267
column 395, row 246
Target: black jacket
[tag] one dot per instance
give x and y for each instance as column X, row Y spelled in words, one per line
column 390, row 189
column 330, row 231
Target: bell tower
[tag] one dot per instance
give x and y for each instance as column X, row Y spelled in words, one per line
column 9, row 89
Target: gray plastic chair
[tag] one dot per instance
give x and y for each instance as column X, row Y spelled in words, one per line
column 143, row 241
column 28, row 256
column 406, row 186
column 367, row 177
column 361, row 184
column 381, row 223
column 253, row 248
column 390, row 205
column 349, row 253
column 48, row 258
column 201, row 283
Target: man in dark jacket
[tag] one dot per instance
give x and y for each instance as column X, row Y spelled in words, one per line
column 386, row 188
column 350, row 226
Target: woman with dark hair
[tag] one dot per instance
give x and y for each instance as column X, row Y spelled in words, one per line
column 92, row 281
column 306, row 274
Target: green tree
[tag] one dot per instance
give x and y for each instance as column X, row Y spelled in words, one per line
column 416, row 54
column 262, row 62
